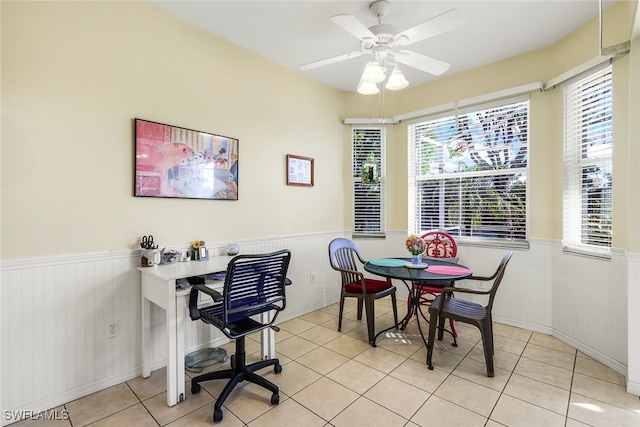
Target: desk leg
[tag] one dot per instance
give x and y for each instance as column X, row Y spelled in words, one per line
column 146, row 335
column 268, row 339
column 181, row 313
column 172, row 343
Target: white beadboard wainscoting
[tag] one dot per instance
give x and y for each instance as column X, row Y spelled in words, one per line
column 633, row 320
column 56, row 311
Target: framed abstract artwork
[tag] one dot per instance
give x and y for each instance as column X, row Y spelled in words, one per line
column 183, row 163
column 299, row 170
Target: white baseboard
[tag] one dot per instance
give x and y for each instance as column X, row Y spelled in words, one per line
column 616, row 365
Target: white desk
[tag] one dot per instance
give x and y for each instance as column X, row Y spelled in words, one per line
column 159, row 287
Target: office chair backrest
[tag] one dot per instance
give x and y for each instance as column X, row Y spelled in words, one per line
column 255, row 284
column 497, row 277
column 344, row 256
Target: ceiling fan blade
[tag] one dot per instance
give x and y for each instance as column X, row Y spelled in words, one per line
column 432, row 27
column 353, row 26
column 421, row 62
column 332, row 60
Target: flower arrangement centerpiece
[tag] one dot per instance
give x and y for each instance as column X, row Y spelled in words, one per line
column 416, row 245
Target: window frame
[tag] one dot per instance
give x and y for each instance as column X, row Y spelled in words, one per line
column 575, row 141
column 379, row 176
column 414, row 176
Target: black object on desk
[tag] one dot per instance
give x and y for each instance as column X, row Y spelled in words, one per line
column 442, row 274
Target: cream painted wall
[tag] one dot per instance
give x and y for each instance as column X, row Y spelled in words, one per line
column 76, row 74
column 633, row 199
column 69, row 102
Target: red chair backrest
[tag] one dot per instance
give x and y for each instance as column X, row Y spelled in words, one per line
column 440, row 245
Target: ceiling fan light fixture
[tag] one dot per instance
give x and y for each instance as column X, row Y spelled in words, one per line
column 397, row 80
column 367, row 88
column 373, row 72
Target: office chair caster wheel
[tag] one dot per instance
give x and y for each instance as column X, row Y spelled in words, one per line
column 275, row 399
column 195, row 388
column 277, row 369
column 217, row 415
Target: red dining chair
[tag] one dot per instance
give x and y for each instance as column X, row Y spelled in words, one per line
column 439, row 245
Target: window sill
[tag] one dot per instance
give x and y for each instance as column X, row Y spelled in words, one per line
column 368, row 235
column 588, row 253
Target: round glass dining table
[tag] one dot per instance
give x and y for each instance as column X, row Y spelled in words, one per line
column 433, row 273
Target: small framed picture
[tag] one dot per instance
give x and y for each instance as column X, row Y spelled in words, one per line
column 299, row 170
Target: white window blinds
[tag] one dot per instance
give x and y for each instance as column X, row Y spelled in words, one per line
column 469, row 174
column 588, row 143
column 368, row 180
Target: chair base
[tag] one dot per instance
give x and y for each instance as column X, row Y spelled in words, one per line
column 238, row 373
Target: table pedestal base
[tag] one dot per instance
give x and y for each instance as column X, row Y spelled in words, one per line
column 415, row 308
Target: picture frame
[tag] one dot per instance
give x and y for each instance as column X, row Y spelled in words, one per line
column 203, row 253
column 176, row 162
column 300, row 170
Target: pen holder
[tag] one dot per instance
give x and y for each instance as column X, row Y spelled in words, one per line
column 149, row 257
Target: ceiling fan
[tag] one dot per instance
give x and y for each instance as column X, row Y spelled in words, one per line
column 383, row 42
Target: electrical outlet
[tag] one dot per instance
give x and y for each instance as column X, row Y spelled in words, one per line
column 113, row 329
column 312, row 278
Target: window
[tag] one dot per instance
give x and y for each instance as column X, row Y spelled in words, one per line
column 588, row 143
column 469, row 173
column 368, row 180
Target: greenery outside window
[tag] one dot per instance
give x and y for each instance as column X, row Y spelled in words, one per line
column 468, row 172
column 368, row 170
column 588, row 174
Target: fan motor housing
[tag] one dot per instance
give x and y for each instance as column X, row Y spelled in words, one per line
column 384, row 32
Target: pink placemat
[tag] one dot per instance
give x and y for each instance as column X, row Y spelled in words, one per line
column 448, row 269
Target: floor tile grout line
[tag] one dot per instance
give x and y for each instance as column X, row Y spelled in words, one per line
column 502, row 392
column 355, row 333
column 142, row 403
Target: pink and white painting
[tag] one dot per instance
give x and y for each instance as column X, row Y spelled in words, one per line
column 184, row 163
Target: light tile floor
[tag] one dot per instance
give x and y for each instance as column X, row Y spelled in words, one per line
column 332, row 378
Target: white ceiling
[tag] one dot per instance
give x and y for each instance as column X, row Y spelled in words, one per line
column 293, row 33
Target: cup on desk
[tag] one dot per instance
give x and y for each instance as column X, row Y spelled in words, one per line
column 150, row 257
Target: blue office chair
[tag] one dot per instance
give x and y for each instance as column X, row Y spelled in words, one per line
column 254, row 284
